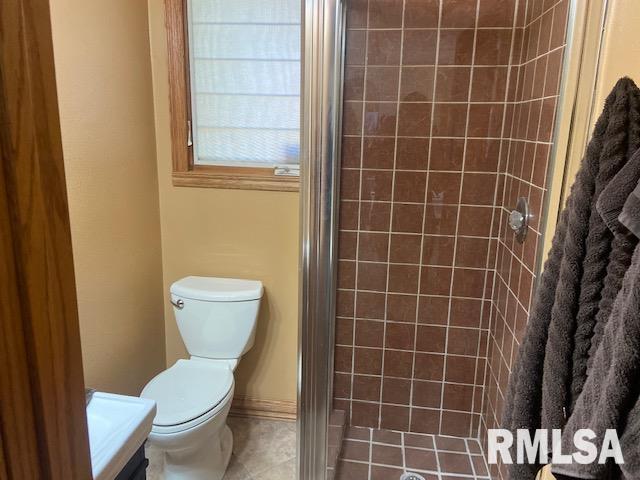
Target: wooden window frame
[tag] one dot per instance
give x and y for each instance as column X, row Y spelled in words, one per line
column 185, row 172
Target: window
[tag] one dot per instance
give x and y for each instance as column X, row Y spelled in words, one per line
column 234, row 73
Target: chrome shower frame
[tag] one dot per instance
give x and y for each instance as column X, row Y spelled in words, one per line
column 322, row 72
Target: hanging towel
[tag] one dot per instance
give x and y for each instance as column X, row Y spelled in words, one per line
column 610, row 206
column 581, row 238
column 611, row 395
column 574, row 313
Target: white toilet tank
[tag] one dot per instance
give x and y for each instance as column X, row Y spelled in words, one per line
column 216, row 316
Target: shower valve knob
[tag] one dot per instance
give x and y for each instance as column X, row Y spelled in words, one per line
column 516, row 220
column 519, row 219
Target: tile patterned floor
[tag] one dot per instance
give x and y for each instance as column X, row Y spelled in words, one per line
column 262, row 450
column 370, row 454
column 337, row 426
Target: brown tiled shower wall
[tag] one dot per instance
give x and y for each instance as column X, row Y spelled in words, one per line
column 432, row 91
column 525, row 160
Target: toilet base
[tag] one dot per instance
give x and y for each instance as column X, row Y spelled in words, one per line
column 208, row 461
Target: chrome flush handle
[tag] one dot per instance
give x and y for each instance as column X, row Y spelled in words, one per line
column 179, row 304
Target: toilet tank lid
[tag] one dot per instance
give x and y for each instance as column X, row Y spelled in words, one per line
column 213, row 289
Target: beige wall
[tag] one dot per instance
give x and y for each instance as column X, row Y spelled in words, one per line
column 620, row 43
column 233, row 233
column 591, row 78
column 620, row 50
column 106, row 108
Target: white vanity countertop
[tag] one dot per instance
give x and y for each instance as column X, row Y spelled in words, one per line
column 118, row 426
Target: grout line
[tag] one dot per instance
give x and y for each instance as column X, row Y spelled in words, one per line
column 450, row 137
column 513, row 258
column 484, row 457
column 506, row 174
column 439, row 102
column 431, row 28
column 504, row 65
column 435, row 449
column 373, row 402
column 404, row 454
column 502, row 312
column 455, row 241
column 424, row 212
column 531, row 21
column 368, row 440
column 501, row 301
column 409, row 295
column 471, row 329
column 370, row 451
column 435, row 354
column 478, row 237
column 393, row 186
column 473, row 468
column 428, row 472
column 486, row 304
column 357, row 252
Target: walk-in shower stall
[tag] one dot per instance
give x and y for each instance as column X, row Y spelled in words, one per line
column 426, row 124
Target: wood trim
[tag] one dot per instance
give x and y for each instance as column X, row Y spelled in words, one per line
column 3, row 467
column 17, row 416
column 244, row 178
column 179, row 85
column 185, row 172
column 254, row 407
column 42, row 412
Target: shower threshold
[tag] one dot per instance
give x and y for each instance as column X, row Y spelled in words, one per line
column 372, row 454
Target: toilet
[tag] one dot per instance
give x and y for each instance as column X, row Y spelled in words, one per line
column 217, row 321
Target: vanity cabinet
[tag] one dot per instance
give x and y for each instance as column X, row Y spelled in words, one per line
column 136, row 468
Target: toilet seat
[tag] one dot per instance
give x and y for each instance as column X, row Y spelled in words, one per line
column 189, row 393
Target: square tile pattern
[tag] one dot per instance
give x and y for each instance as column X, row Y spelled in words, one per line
column 372, row 454
column 448, row 119
column 262, row 450
column 425, row 101
column 538, row 52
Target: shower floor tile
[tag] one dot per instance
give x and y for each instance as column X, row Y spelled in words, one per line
column 370, row 454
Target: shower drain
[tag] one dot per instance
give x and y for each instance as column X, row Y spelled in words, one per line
column 411, row 476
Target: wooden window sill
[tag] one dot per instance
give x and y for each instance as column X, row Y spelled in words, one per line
column 239, row 178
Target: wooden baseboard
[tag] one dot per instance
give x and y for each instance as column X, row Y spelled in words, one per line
column 254, row 407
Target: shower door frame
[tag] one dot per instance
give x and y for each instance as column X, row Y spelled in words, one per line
column 576, row 111
column 322, row 82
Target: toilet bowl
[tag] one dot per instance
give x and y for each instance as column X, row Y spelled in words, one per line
column 217, row 319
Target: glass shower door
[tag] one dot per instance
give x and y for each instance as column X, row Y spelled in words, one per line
column 448, row 115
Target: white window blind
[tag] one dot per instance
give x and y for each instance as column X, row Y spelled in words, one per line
column 245, row 81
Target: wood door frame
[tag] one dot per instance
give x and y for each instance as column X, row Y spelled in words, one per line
column 43, row 428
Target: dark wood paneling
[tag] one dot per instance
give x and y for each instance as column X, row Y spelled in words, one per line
column 42, row 412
